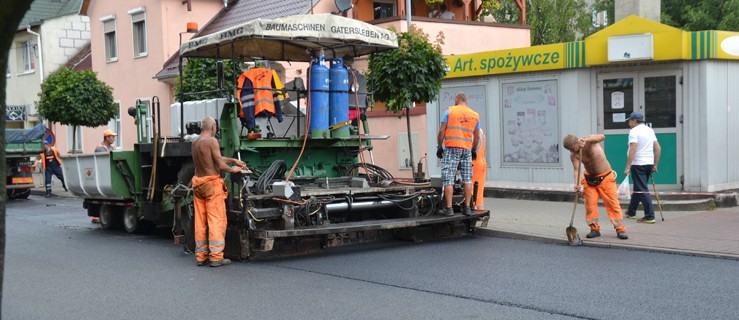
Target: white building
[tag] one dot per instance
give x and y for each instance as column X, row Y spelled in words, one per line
column 50, row 34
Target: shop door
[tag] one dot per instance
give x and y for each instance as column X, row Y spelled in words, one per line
column 657, row 96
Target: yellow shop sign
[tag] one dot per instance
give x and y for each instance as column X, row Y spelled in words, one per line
column 538, row 58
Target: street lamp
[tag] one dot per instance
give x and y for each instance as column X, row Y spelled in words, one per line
column 192, row 27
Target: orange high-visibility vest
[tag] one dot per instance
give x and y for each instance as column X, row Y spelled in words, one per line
column 460, row 127
column 43, row 157
column 262, row 98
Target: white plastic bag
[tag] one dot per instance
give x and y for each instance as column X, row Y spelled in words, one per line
column 624, row 191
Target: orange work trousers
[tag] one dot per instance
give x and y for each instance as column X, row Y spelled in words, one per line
column 607, row 191
column 479, row 170
column 210, row 217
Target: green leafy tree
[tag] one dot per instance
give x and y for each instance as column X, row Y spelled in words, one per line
column 200, row 75
column 701, row 15
column 413, row 73
column 10, row 16
column 556, row 21
column 76, row 98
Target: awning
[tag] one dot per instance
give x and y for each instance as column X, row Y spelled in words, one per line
column 293, row 38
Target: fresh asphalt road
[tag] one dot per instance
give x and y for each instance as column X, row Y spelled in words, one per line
column 59, row 266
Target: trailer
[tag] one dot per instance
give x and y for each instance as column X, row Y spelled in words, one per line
column 20, row 146
column 306, row 191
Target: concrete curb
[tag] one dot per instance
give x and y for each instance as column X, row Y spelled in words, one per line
column 563, row 241
column 702, row 203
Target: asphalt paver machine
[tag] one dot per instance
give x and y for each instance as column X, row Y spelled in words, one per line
column 305, row 191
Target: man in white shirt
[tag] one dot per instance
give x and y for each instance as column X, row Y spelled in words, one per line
column 446, row 14
column 442, row 12
column 644, row 153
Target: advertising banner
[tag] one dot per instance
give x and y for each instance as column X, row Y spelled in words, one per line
column 530, row 122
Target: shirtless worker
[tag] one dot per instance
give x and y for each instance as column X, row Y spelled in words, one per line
column 210, row 195
column 599, row 181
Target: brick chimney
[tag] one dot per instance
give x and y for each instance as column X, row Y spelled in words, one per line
column 649, row 9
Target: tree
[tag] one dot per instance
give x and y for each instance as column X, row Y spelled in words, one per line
column 413, row 73
column 10, row 16
column 701, row 15
column 200, row 75
column 76, row 98
column 556, row 21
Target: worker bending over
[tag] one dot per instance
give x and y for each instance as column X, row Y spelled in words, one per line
column 599, row 181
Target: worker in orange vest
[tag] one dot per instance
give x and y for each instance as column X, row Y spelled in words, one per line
column 459, row 136
column 52, row 165
column 479, row 172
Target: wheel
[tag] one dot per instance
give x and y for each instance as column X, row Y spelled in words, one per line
column 23, row 194
column 131, row 221
column 188, row 227
column 109, row 217
column 18, row 193
column 184, row 176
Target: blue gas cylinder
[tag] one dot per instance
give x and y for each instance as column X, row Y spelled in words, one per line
column 319, row 90
column 338, row 111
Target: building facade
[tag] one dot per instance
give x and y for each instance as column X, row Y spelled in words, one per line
column 50, row 34
column 683, row 82
column 130, row 41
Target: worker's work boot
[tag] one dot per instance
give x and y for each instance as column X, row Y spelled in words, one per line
column 447, row 212
column 201, row 263
column 467, row 211
column 622, row 235
column 593, row 234
column 48, row 193
column 221, row 263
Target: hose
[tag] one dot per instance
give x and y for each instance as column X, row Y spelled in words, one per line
column 373, row 171
column 276, row 170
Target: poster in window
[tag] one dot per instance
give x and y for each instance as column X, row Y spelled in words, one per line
column 530, row 122
column 617, row 100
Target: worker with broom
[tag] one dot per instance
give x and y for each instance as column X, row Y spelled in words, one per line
column 599, row 181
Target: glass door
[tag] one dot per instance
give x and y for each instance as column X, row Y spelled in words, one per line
column 661, row 95
column 657, row 96
column 617, row 98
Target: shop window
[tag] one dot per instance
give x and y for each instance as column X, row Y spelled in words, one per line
column 530, row 116
column 384, row 8
column 660, row 99
column 618, row 102
column 138, row 19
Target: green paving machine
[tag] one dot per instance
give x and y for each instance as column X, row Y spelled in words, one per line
column 304, row 191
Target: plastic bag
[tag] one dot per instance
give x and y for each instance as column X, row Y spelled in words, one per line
column 624, row 191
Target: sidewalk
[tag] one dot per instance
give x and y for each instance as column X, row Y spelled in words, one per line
column 708, row 233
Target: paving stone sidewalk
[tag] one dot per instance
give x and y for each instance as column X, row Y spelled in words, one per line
column 710, row 233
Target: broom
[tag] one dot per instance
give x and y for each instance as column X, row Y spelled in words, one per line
column 573, row 238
